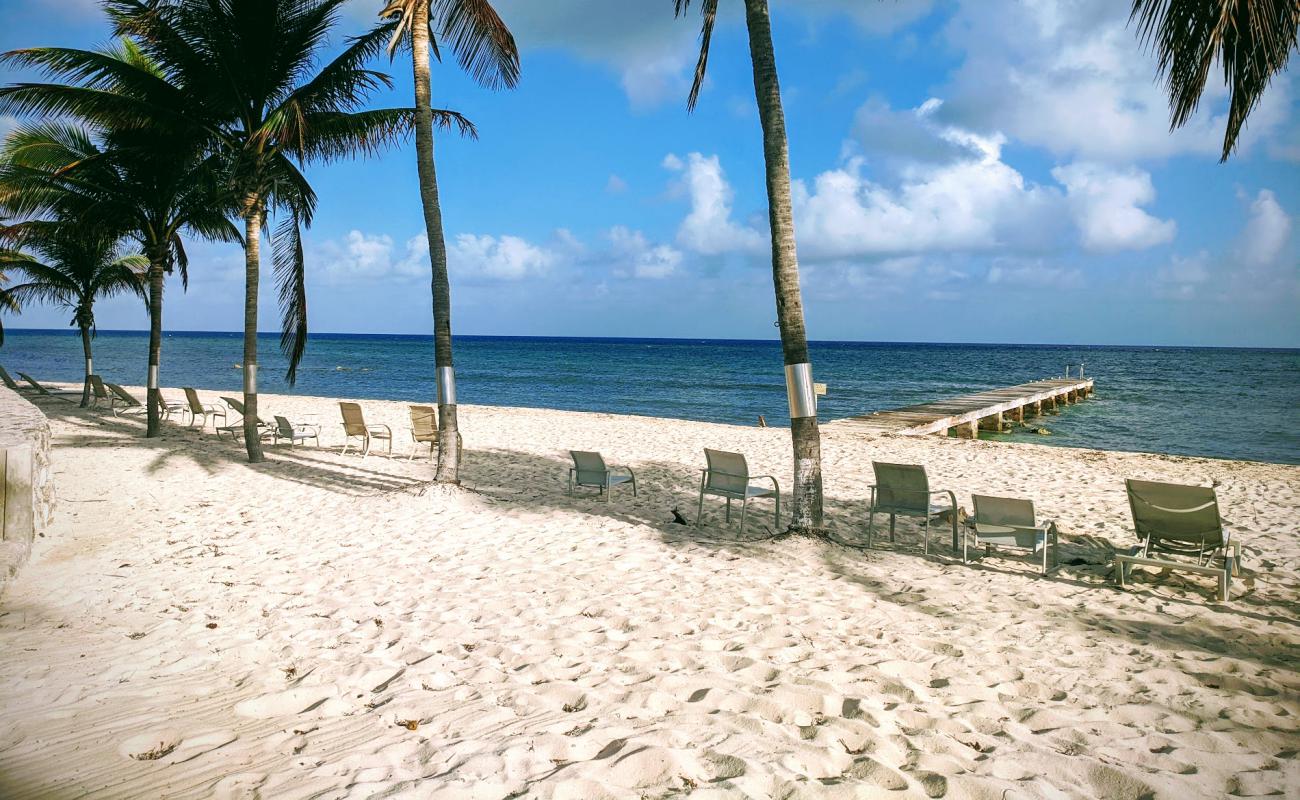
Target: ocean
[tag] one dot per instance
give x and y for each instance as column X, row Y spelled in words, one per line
column 1216, row 402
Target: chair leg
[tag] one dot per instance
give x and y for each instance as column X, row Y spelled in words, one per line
column 699, row 512
column 728, row 509
column 744, row 504
column 871, row 526
column 925, row 535
column 776, row 515
column 608, row 493
column 892, row 519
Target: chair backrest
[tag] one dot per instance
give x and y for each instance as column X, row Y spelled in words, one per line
column 902, row 487
column 424, row 423
column 728, row 472
column 8, row 381
column 32, row 381
column 284, row 426
column 354, row 422
column 192, row 399
column 589, row 466
column 1175, row 517
column 236, row 405
column 123, row 393
column 1003, row 511
column 97, row 386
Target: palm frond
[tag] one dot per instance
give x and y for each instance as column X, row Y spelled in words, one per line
column 291, row 278
column 482, row 43
column 1252, row 39
column 709, row 12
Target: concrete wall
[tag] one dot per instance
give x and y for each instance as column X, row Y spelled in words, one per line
column 26, row 482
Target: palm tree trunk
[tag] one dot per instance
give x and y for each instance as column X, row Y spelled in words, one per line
column 252, row 262
column 448, row 453
column 85, row 347
column 807, row 514
column 156, row 267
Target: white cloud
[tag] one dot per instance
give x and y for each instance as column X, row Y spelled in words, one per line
column 633, row 256
column 1268, row 229
column 1105, row 203
column 1072, row 77
column 502, row 258
column 708, row 228
column 1035, row 274
column 1181, row 276
column 362, row 257
column 615, row 185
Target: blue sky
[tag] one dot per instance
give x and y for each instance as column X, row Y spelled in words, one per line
column 987, row 170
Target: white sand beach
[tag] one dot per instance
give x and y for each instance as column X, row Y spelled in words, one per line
column 324, row 626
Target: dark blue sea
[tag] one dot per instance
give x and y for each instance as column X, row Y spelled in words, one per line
column 1223, row 403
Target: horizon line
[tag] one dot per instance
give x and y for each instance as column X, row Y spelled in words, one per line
column 777, row 341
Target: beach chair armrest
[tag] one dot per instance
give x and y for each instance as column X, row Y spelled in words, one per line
column 952, row 496
column 628, row 470
column 775, row 486
column 374, row 428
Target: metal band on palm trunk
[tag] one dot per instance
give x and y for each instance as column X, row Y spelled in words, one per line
column 153, row 376
column 799, row 390
column 250, row 378
column 446, row 386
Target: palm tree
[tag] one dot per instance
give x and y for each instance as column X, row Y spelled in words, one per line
column 7, row 304
column 248, row 70
column 72, row 267
column 486, row 50
column 143, row 184
column 806, row 436
column 1252, row 39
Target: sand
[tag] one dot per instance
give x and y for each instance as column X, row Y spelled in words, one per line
column 326, row 626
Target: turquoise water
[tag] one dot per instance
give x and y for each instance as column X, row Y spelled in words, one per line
column 1225, row 403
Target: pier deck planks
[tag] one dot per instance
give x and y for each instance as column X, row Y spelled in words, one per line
column 969, row 409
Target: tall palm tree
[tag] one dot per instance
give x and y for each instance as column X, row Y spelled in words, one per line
column 143, row 184
column 806, row 436
column 248, row 70
column 8, row 304
column 1252, row 39
column 486, row 50
column 66, row 264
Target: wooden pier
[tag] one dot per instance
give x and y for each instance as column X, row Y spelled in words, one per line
column 967, row 415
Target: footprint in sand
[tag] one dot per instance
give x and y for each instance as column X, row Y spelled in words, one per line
column 191, row 747
column 291, row 701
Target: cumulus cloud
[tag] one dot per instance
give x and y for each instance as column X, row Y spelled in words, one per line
column 362, row 257
column 1181, row 277
column 708, row 228
column 509, row 258
column 633, row 256
column 1071, row 77
column 1036, row 274
column 1105, row 203
column 1268, row 229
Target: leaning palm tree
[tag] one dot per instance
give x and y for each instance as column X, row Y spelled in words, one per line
column 806, row 436
column 143, row 184
column 1251, row 39
column 248, row 69
column 486, row 50
column 8, row 305
column 64, row 263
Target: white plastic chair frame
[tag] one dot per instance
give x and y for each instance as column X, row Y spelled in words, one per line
column 1010, row 523
column 197, row 409
column 903, row 490
column 589, row 469
column 284, row 429
column 727, row 475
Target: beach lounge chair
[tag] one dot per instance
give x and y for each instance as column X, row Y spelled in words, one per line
column 1179, row 522
column 727, row 475
column 589, row 469
column 9, row 382
column 236, row 428
column 355, row 427
column 424, row 430
column 198, row 409
column 1005, row 522
column 284, row 429
column 129, row 404
column 42, row 391
column 100, row 394
column 903, row 490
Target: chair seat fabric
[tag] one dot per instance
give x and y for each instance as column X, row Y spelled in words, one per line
column 1008, row 536
column 614, row 480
